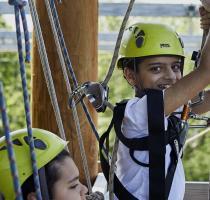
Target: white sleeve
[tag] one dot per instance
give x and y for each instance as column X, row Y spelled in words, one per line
column 135, row 123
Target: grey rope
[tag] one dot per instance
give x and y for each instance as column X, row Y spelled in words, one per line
column 69, row 91
column 70, row 68
column 104, row 83
column 46, row 68
column 95, row 196
column 117, row 46
column 112, row 169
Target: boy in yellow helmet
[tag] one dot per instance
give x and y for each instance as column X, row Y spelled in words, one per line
column 149, row 155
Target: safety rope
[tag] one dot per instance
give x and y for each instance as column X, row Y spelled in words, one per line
column 112, row 169
column 26, row 97
column 117, row 46
column 104, row 83
column 11, row 153
column 46, row 68
column 69, row 65
column 26, row 35
column 95, row 196
column 69, row 91
column 20, row 4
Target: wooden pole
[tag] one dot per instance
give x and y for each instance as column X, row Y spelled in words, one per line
column 79, row 22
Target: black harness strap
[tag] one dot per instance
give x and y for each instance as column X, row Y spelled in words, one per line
column 155, row 143
column 131, row 143
column 157, row 146
column 43, row 184
column 119, row 190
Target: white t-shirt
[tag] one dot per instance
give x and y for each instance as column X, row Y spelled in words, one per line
column 134, row 177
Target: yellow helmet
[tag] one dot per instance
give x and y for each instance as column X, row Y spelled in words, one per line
column 141, row 40
column 47, row 146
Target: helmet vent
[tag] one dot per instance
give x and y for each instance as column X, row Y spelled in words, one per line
column 17, row 142
column 139, row 41
column 38, row 144
column 139, row 35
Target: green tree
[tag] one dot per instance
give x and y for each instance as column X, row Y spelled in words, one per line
column 10, row 77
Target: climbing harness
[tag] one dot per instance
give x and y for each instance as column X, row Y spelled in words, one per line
column 155, row 143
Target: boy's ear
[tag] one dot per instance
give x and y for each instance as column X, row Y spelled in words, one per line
column 130, row 76
column 31, row 196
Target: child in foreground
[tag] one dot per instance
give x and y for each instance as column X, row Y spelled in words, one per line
column 152, row 60
column 61, row 180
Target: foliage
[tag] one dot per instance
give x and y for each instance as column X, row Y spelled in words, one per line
column 10, row 77
column 196, row 160
column 2, row 23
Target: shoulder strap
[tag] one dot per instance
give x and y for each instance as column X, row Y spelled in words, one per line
column 157, row 149
column 120, row 191
column 131, row 143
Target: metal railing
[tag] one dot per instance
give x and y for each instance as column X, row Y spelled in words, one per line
column 107, row 40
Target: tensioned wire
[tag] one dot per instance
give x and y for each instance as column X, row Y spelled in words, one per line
column 10, row 150
column 69, row 91
column 26, row 100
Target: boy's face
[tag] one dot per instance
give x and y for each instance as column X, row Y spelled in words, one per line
column 68, row 187
column 158, row 72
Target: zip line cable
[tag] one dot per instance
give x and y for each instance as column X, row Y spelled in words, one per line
column 10, row 150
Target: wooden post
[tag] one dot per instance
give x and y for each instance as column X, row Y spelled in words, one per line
column 79, row 22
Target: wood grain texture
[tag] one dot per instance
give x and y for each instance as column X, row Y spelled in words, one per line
column 79, row 22
column 196, row 191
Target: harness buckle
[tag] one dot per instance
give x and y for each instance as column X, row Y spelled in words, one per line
column 176, row 148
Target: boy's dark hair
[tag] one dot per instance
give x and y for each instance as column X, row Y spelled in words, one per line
column 131, row 63
column 52, row 175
